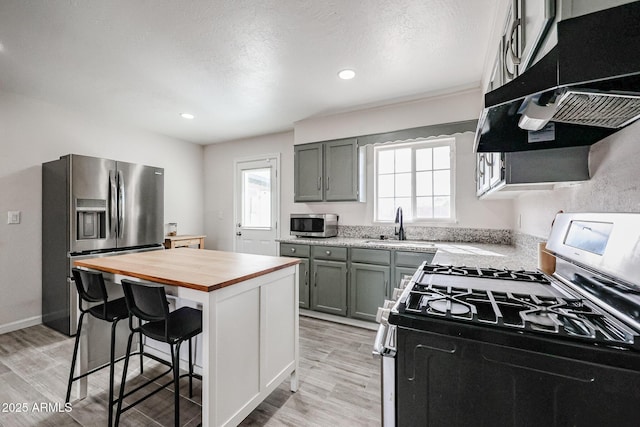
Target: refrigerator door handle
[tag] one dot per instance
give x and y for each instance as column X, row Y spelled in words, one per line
column 113, row 203
column 121, row 204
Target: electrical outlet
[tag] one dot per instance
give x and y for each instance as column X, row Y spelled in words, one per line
column 13, row 217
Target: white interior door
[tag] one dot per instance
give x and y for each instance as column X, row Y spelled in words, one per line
column 257, row 206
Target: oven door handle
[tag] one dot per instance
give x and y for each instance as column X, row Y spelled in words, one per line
column 378, row 344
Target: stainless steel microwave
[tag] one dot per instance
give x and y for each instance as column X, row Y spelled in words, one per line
column 314, row 225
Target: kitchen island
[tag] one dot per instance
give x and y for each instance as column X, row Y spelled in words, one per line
column 250, row 319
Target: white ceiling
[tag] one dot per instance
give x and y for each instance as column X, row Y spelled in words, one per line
column 242, row 67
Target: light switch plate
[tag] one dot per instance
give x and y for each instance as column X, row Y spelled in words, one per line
column 13, row 217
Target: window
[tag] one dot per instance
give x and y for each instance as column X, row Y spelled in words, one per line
column 417, row 177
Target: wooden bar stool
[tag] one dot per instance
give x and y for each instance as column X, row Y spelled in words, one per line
column 149, row 304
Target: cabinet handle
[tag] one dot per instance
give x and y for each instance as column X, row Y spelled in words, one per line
column 514, row 27
column 486, row 160
column 319, row 182
column 306, row 279
column 386, row 289
column 315, row 279
column 328, row 183
column 328, row 252
column 505, row 66
column 293, row 250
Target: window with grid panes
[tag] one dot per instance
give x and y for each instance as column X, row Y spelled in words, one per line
column 418, row 177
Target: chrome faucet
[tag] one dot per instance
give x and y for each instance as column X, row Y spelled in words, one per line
column 400, row 231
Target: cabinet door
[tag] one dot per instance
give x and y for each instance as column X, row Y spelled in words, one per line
column 307, row 179
column 494, row 168
column 303, row 284
column 329, row 287
column 369, row 288
column 510, row 43
column 536, row 19
column 341, row 170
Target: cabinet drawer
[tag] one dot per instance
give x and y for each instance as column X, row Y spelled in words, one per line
column 289, row 249
column 371, row 256
column 329, row 252
column 412, row 259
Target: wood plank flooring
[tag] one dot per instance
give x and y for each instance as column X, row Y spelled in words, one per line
column 339, row 384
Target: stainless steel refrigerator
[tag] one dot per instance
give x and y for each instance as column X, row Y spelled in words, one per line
column 93, row 207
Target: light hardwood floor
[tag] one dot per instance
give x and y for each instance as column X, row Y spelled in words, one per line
column 339, row 384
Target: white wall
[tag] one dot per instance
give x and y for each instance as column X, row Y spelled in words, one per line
column 614, row 165
column 219, row 160
column 32, row 132
column 218, row 183
column 423, row 112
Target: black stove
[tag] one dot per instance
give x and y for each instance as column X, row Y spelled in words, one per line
column 473, row 345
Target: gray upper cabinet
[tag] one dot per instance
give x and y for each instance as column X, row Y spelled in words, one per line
column 525, row 27
column 341, row 170
column 536, row 17
column 308, row 172
column 326, row 171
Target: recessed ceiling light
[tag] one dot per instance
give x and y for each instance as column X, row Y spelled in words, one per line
column 187, row 116
column 347, row 74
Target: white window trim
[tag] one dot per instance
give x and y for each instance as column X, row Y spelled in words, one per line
column 414, row 143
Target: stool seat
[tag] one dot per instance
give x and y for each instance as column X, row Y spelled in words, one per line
column 182, row 324
column 115, row 310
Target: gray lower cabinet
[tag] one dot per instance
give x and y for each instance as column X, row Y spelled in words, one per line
column 369, row 289
column 303, row 284
column 350, row 282
column 329, row 287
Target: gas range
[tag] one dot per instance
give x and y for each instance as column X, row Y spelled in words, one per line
column 513, row 299
column 469, row 345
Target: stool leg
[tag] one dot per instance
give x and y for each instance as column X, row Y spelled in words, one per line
column 124, row 379
column 190, row 371
column 176, row 382
column 141, row 346
column 73, row 359
column 141, row 352
column 111, row 370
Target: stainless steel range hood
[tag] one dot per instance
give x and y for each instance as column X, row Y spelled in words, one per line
column 583, row 90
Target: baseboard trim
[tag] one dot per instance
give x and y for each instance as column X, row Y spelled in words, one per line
column 339, row 319
column 20, row 324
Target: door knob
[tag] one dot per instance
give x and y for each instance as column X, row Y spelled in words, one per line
column 238, row 233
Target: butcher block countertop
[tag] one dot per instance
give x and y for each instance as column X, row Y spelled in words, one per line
column 203, row 270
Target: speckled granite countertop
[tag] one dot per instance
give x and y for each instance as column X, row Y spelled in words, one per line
column 452, row 253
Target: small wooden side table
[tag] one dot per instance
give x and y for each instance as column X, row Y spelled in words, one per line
column 180, row 241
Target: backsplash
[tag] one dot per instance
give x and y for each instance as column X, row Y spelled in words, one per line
column 441, row 234
column 527, row 244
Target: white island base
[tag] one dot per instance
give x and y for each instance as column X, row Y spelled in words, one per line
column 250, row 322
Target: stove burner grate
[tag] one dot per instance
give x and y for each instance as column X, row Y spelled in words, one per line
column 568, row 317
column 488, row 273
